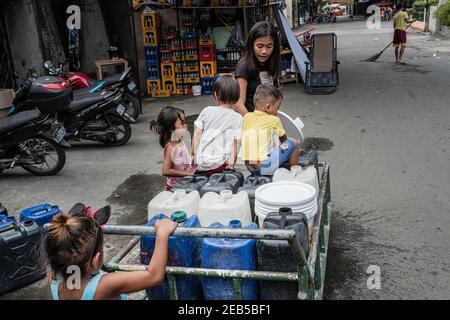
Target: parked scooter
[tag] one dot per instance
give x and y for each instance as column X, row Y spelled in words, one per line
column 83, row 84
column 95, row 117
column 33, row 142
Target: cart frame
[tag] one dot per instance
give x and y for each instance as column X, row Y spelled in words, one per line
column 310, row 274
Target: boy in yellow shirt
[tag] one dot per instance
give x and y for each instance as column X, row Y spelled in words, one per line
column 263, row 132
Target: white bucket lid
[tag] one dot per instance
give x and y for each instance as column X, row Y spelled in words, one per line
column 286, row 193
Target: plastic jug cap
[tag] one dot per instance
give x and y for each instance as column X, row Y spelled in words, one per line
column 179, row 216
column 285, row 212
column 178, row 194
column 226, row 195
column 235, row 224
column 296, row 171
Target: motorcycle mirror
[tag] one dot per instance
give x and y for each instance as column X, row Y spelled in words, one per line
column 48, row 65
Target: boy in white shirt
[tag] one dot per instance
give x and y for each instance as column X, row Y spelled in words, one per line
column 217, row 136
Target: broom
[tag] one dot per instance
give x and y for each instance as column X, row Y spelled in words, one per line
column 378, row 55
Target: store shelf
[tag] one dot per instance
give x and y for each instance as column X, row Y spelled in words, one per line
column 229, row 7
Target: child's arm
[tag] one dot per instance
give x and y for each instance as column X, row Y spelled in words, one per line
column 167, row 169
column 240, row 106
column 196, row 141
column 234, row 154
column 114, row 284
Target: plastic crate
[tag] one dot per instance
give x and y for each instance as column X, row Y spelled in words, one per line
column 208, row 69
column 207, row 85
column 207, row 53
column 150, row 21
column 190, row 35
column 153, row 70
column 169, row 85
column 191, row 57
column 153, row 86
column 175, row 47
column 161, row 94
column 191, row 69
column 167, row 71
column 165, row 50
column 151, row 54
column 192, row 80
column 190, row 3
column 151, row 38
column 190, row 45
column 206, row 42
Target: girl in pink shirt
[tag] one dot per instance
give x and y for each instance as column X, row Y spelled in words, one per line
column 171, row 127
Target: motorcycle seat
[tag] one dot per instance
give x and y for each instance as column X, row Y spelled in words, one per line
column 108, row 80
column 87, row 100
column 17, row 120
column 81, row 92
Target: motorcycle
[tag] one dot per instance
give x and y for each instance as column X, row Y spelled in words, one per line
column 82, row 84
column 96, row 117
column 33, row 142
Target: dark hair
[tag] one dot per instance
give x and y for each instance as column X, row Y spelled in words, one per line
column 400, row 7
column 72, row 241
column 227, row 89
column 267, row 93
column 260, row 30
column 164, row 126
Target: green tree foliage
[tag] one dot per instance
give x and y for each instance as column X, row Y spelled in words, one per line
column 443, row 13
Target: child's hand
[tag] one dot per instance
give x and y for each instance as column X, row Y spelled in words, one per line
column 165, row 227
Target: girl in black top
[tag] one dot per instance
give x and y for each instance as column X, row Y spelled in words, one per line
column 260, row 64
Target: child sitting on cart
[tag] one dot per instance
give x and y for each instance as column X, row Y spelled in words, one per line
column 217, row 136
column 262, row 133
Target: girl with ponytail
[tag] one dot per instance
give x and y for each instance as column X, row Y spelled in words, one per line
column 74, row 248
column 171, row 127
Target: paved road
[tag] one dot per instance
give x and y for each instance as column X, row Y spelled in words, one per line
column 386, row 134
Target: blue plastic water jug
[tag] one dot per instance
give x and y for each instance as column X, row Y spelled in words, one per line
column 41, row 214
column 183, row 252
column 237, row 254
column 6, row 221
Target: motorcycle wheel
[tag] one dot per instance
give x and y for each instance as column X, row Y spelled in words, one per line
column 132, row 105
column 123, row 131
column 49, row 151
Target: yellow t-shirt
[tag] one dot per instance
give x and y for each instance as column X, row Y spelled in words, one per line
column 400, row 20
column 259, row 132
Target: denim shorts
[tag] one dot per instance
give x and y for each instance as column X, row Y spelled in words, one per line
column 276, row 159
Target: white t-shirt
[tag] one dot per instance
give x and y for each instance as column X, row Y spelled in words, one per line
column 221, row 126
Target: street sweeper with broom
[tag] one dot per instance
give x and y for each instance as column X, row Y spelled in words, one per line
column 401, row 23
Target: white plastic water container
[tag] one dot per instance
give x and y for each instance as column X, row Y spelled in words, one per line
column 298, row 196
column 224, row 208
column 196, row 91
column 169, row 202
column 308, row 176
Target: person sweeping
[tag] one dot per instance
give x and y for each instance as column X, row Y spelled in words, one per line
column 401, row 23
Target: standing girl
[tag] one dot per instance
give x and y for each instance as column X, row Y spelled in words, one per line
column 260, row 64
column 171, row 127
